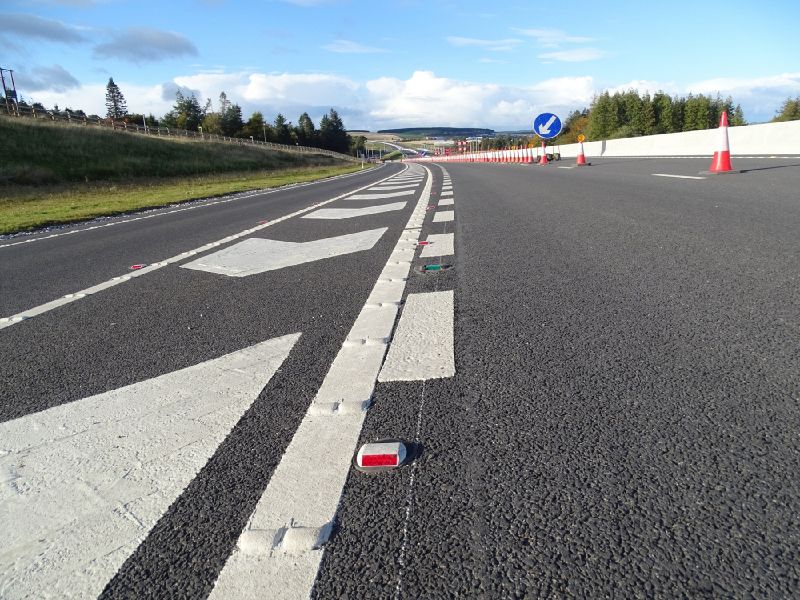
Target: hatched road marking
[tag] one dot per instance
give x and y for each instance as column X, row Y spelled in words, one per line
column 88, row 480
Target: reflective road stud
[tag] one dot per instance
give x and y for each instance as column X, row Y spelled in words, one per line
column 381, row 456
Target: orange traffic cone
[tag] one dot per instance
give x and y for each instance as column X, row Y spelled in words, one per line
column 721, row 163
column 544, row 160
column 581, row 160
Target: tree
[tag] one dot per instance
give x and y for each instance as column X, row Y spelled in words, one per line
column 115, row 101
column 257, row 128
column 305, row 131
column 789, row 110
column 282, row 130
column 186, row 114
column 332, row 134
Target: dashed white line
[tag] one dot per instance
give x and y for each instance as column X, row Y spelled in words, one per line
column 677, row 176
column 439, row 244
column 422, row 347
column 443, row 216
column 446, row 202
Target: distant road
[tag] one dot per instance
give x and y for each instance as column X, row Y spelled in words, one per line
column 599, row 376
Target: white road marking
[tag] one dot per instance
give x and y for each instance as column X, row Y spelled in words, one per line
column 181, row 208
column 381, row 196
column 566, row 167
column 444, row 216
column 422, row 347
column 447, row 188
column 387, row 188
column 447, row 194
column 677, row 176
column 280, row 549
column 446, row 202
column 440, row 244
column 257, row 255
column 349, row 213
column 85, row 482
column 48, row 306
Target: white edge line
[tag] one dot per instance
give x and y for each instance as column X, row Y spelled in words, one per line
column 68, row 298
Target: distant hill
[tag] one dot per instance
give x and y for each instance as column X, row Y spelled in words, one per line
column 439, row 131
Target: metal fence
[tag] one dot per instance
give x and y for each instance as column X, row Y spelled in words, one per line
column 82, row 120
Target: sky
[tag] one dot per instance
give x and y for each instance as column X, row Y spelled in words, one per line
column 400, row 63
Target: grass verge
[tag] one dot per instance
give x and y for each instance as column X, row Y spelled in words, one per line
column 24, row 208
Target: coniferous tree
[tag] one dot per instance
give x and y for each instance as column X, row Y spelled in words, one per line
column 116, row 107
column 789, row 110
column 333, row 135
column 305, row 132
column 282, row 130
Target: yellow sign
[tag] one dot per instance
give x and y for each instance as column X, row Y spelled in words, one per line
column 581, row 138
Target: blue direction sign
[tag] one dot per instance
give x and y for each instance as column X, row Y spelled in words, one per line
column 547, row 126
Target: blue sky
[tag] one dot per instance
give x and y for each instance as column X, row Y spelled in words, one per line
column 397, row 63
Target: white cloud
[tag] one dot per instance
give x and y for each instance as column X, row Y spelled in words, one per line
column 553, row 37
column 504, row 45
column 574, row 55
column 351, row 47
column 425, row 99
column 422, row 99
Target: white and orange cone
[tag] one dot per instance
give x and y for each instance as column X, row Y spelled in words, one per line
column 544, row 160
column 721, row 163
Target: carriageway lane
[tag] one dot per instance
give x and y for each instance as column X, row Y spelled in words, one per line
column 172, row 319
column 50, row 267
column 624, row 414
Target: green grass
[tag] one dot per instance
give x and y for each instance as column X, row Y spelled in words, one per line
column 54, row 173
column 26, row 209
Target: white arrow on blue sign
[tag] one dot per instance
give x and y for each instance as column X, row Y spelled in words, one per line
column 547, row 126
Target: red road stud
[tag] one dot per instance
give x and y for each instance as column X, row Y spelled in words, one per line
column 137, row 267
column 381, row 456
column 422, row 243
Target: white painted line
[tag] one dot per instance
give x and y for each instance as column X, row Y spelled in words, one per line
column 381, row 196
column 349, row 213
column 447, row 194
column 446, row 202
column 195, row 204
column 48, row 306
column 257, row 255
column 387, row 188
column 444, row 216
column 440, row 244
column 447, row 188
column 280, row 549
column 566, row 167
column 85, row 482
column 677, row 176
column 422, row 347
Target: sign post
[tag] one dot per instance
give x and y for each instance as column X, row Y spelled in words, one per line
column 546, row 126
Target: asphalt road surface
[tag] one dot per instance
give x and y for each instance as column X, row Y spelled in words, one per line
column 598, row 379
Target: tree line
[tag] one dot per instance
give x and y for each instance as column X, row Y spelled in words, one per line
column 227, row 120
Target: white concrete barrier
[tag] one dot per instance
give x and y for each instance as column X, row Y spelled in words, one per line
column 767, row 138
